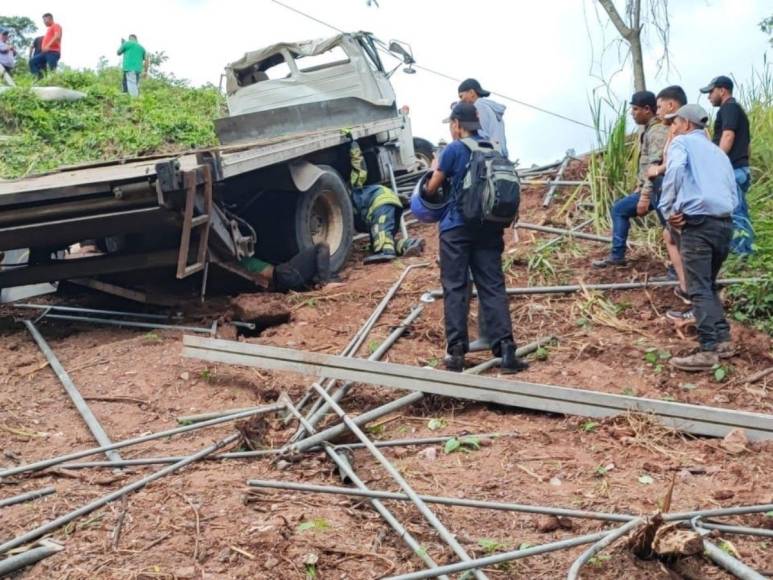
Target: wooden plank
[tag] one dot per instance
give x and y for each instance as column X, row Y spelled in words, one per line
column 691, row 418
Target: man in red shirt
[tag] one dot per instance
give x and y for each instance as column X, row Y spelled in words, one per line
column 50, row 49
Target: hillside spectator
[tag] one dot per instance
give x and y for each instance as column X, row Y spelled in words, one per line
column 135, row 64
column 50, row 48
column 490, row 114
column 699, row 196
column 731, row 134
column 36, row 47
column 7, row 53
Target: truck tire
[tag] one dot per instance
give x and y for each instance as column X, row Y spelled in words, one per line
column 424, row 151
column 288, row 222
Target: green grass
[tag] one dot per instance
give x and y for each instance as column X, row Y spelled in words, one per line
column 168, row 116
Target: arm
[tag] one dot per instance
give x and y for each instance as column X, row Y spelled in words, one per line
column 672, row 182
column 726, row 140
column 433, row 186
column 653, row 145
column 121, row 48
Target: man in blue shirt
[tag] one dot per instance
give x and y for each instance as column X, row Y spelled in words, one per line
column 698, row 199
column 465, row 247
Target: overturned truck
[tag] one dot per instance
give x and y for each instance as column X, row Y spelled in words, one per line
column 275, row 186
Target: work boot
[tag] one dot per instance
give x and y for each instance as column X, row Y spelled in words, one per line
column 608, row 261
column 454, row 359
column 703, row 360
column 410, row 247
column 726, row 349
column 682, row 295
column 380, row 257
column 511, row 363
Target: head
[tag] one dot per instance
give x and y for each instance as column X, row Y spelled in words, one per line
column 4, row 34
column 463, row 121
column 470, row 91
column 48, row 19
column 133, row 37
column 719, row 90
column 688, row 118
column 643, row 107
column 669, row 101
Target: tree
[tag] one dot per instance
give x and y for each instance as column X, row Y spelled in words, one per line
column 22, row 30
column 640, row 16
column 766, row 26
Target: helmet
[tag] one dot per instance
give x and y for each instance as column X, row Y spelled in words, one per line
column 427, row 211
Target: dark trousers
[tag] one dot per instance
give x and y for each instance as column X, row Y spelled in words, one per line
column 45, row 60
column 704, row 244
column 478, row 249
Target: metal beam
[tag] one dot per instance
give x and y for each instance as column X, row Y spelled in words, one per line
column 690, row 418
column 30, row 495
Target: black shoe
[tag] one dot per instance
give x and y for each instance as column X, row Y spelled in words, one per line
column 682, row 295
column 454, row 360
column 609, row 261
column 510, row 362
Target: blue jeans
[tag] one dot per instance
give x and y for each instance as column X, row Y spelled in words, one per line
column 622, row 211
column 743, row 234
column 43, row 61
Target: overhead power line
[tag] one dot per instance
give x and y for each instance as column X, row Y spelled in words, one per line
column 443, row 75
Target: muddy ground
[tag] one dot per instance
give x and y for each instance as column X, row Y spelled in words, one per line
column 204, row 523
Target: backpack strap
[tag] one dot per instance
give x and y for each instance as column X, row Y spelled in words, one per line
column 474, row 145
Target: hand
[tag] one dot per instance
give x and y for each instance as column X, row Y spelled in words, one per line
column 653, row 171
column 642, row 207
column 677, row 220
column 433, row 166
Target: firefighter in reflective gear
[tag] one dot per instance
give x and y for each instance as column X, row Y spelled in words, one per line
column 377, row 211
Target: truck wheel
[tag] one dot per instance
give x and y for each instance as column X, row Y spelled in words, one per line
column 288, row 222
column 424, row 151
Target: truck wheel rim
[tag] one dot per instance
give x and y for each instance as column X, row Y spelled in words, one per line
column 327, row 221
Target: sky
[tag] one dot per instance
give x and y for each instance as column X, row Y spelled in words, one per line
column 545, row 53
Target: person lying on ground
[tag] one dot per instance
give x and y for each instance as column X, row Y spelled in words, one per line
column 699, row 196
column 377, row 212
column 467, row 245
column 305, row 270
column 645, row 197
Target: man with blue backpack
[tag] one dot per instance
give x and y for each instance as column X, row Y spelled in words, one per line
column 474, row 195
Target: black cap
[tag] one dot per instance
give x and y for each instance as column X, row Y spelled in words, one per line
column 468, row 84
column 720, row 82
column 644, row 99
column 467, row 115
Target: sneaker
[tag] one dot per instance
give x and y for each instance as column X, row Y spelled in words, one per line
column 686, row 317
column 511, row 363
column 726, row 349
column 682, row 295
column 454, row 359
column 608, row 261
column 410, row 247
column 703, row 360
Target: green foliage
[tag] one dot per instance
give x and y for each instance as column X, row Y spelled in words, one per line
column 167, row 117
column 437, row 423
column 490, row 546
column 463, row 444
column 655, row 358
column 589, row 426
column 317, row 524
column 720, row 373
column 22, row 30
column 766, row 25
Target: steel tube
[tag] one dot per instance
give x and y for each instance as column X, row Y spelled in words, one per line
column 740, row 530
column 38, row 465
column 95, row 311
column 431, row 518
column 607, row 540
column 32, row 556
column 72, row 391
column 718, row 512
column 523, row 351
column 98, row 503
column 617, row 286
column 260, row 409
column 129, row 323
column 726, row 561
column 503, row 557
column 560, row 237
column 452, row 501
column 30, row 495
column 552, row 230
column 553, row 184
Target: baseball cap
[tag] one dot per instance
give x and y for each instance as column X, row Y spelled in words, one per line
column 720, row 82
column 466, row 114
column 644, row 99
column 693, row 113
column 473, row 84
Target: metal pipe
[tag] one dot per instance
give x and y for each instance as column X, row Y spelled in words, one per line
column 553, row 184
column 608, row 539
column 560, row 237
column 523, row 351
column 30, row 495
column 503, row 557
column 345, row 468
column 616, row 286
column 98, row 503
column 722, row 558
column 72, row 391
column 260, row 409
column 431, row 518
column 19, row 561
column 96, row 311
column 111, row 322
column 718, row 512
column 38, row 465
column 453, row 501
column 741, row 530
column 552, row 230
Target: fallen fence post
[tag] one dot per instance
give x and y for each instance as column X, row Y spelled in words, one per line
column 259, row 410
column 72, row 391
column 551, row 192
column 552, row 230
column 452, row 501
column 607, row 540
column 30, row 495
column 32, row 556
column 98, row 503
column 38, row 465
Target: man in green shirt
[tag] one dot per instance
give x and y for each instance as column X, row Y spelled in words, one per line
column 135, row 63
